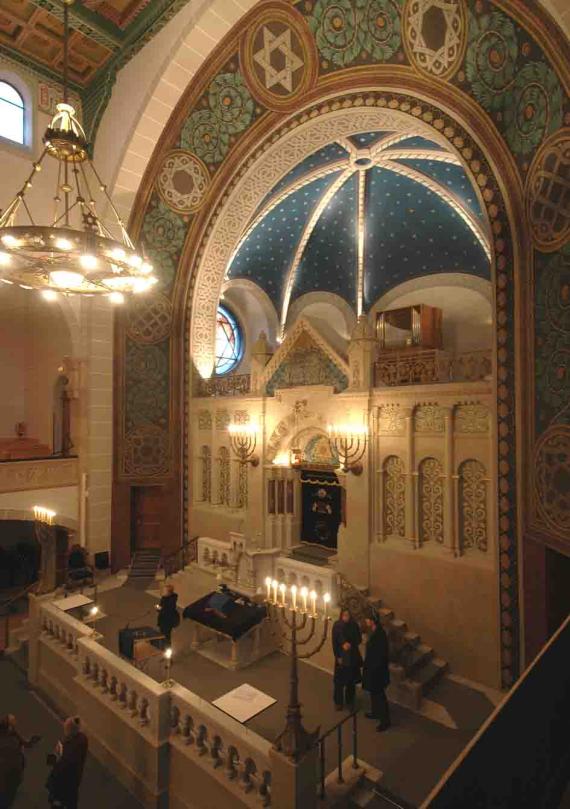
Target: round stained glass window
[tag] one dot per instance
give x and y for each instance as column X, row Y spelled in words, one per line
column 229, row 341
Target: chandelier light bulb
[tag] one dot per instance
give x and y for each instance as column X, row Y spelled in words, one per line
column 116, row 297
column 88, row 262
column 63, row 244
column 146, row 268
column 119, row 254
column 5, row 259
column 10, row 241
column 66, row 279
column 49, row 294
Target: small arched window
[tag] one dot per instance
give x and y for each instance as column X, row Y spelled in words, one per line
column 11, row 113
column 229, row 341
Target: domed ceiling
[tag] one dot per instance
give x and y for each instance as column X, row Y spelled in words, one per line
column 361, row 216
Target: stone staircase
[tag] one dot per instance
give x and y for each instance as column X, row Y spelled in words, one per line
column 414, row 666
column 143, row 568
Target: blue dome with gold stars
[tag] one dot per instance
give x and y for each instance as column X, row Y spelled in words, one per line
column 362, row 216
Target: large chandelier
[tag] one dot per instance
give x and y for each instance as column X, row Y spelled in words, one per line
column 76, row 253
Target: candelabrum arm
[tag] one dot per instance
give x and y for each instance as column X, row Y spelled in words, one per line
column 318, row 648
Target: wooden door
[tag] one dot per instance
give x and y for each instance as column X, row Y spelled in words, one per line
column 147, row 514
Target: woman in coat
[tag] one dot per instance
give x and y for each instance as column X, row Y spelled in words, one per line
column 346, row 639
column 168, row 617
column 376, row 672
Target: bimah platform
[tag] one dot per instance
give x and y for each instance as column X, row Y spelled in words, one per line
column 230, row 629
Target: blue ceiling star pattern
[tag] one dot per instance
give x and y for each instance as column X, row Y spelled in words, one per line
column 329, row 259
column 451, row 177
column 410, row 230
column 266, row 254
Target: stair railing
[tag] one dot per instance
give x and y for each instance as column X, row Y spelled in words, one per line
column 177, row 560
column 6, row 612
column 352, row 599
column 322, row 751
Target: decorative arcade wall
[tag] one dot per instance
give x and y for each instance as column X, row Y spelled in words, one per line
column 492, row 80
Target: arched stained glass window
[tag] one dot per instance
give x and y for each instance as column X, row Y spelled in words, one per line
column 11, row 113
column 229, row 341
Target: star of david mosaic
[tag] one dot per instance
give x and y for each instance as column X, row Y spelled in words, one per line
column 548, row 193
column 278, row 57
column 182, row 181
column 435, row 35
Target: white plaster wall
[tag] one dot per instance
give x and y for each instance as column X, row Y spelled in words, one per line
column 34, row 339
column 466, row 303
column 64, row 501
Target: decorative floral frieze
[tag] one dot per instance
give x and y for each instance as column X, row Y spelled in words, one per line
column 472, row 418
column 21, row 475
column 223, row 419
column 204, row 420
column 429, row 419
column 390, row 419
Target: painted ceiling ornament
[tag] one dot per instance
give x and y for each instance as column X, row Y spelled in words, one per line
column 379, row 27
column 201, row 135
column 435, row 35
column 552, row 474
column 552, row 353
column 149, row 319
column 334, row 24
column 207, row 132
column 548, row 193
column 163, row 229
column 490, row 63
column 534, row 109
column 278, row 56
column 182, row 181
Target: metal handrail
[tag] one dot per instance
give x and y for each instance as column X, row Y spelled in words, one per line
column 165, row 558
column 322, row 752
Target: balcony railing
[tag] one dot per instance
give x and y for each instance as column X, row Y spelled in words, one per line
column 232, row 385
column 426, row 366
column 38, row 473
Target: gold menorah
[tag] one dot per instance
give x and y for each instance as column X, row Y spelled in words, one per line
column 291, row 619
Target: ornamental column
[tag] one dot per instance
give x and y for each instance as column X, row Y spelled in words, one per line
column 449, row 493
column 410, row 487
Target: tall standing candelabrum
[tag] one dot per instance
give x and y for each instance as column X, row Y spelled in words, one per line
column 296, row 615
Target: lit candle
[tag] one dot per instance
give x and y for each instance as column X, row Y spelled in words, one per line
column 282, row 591
column 314, row 602
column 268, row 585
column 326, row 599
column 275, row 585
column 304, row 594
column 294, row 596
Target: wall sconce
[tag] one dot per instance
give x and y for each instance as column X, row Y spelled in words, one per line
column 349, row 441
column 243, row 441
column 44, row 515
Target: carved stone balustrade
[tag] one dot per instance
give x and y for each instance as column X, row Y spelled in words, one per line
column 320, row 579
column 62, row 631
column 412, row 367
column 46, row 473
column 231, row 385
column 143, row 701
column 218, row 744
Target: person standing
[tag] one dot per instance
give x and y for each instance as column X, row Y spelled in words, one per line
column 12, row 759
column 65, row 778
column 376, row 672
column 346, row 640
column 168, row 617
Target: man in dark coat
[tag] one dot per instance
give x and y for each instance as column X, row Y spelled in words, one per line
column 168, row 617
column 12, row 759
column 346, row 639
column 65, row 778
column 376, row 673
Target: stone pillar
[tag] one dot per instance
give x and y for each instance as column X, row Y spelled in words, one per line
column 450, row 493
column 410, row 470
column 362, row 355
column 293, row 783
column 260, row 355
